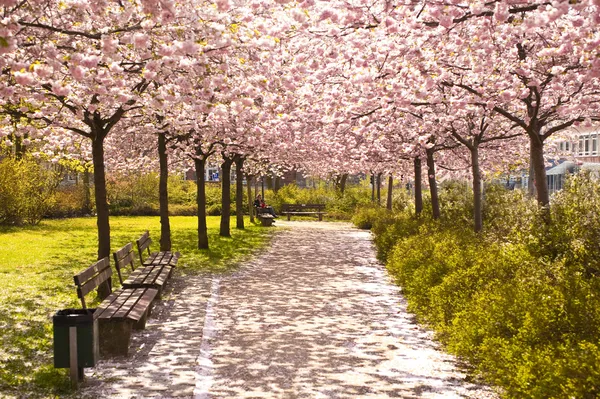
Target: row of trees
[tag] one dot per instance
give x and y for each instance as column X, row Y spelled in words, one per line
column 330, row 87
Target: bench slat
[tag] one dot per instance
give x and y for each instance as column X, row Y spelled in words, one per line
column 108, row 306
column 144, row 242
column 129, row 305
column 163, row 259
column 94, row 269
column 143, row 302
column 123, row 252
column 90, row 285
column 148, row 276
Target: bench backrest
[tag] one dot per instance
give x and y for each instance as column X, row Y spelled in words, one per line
column 143, row 243
column 123, row 257
column 92, row 277
column 302, row 207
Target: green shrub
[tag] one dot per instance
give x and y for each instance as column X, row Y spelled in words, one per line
column 520, row 301
column 27, row 190
column 456, row 202
column 364, row 218
column 70, row 202
column 213, row 210
column 183, row 210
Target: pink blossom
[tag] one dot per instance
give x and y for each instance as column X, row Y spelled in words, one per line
column 140, row 40
column 77, row 72
column 60, row 90
column 24, row 78
column 223, row 5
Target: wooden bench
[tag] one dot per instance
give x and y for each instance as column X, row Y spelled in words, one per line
column 145, row 276
column 122, row 311
column 155, row 258
column 303, row 210
column 266, row 219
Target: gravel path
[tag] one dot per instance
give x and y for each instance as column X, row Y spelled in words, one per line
column 314, row 316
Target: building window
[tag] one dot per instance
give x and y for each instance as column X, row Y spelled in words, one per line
column 594, row 144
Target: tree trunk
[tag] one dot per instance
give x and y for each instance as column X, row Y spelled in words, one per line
column 86, row 207
column 379, row 188
column 530, row 186
column 226, row 197
column 477, row 208
column 389, row 194
column 200, row 165
column 343, row 183
column 435, row 201
column 269, row 182
column 539, row 169
column 239, row 193
column 163, row 195
column 418, row 187
column 101, row 206
column 250, row 200
column 276, row 183
column 373, row 187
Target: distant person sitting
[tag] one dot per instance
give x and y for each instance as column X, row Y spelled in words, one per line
column 261, row 207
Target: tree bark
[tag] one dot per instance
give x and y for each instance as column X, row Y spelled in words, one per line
column 163, row 195
column 477, row 204
column 379, row 188
column 226, row 197
column 86, row 207
column 389, row 193
column 537, row 160
column 530, row 186
column 343, row 183
column 373, row 187
column 418, row 187
column 268, row 181
column 200, row 165
column 435, row 201
column 239, row 193
column 101, row 205
column 250, row 200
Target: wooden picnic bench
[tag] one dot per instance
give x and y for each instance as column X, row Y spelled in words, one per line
column 303, row 210
column 265, row 217
column 145, row 276
column 120, row 312
column 155, row 258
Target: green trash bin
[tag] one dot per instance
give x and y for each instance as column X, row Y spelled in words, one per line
column 87, row 337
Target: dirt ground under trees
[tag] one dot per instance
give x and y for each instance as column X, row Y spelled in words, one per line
column 314, row 316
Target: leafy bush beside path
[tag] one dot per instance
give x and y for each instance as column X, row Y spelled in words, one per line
column 520, row 302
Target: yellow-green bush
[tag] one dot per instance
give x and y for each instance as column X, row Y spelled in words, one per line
column 521, row 301
column 27, row 190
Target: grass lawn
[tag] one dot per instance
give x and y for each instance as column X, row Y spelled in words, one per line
column 37, row 265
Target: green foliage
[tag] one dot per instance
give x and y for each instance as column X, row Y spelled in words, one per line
column 364, row 218
column 70, row 202
column 519, row 302
column 456, row 202
column 337, row 206
column 132, row 194
column 27, row 190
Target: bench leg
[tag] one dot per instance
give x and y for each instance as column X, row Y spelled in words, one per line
column 289, row 217
column 114, row 337
column 320, row 217
column 140, row 325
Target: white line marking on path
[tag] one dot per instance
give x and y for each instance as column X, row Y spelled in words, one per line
column 204, row 368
